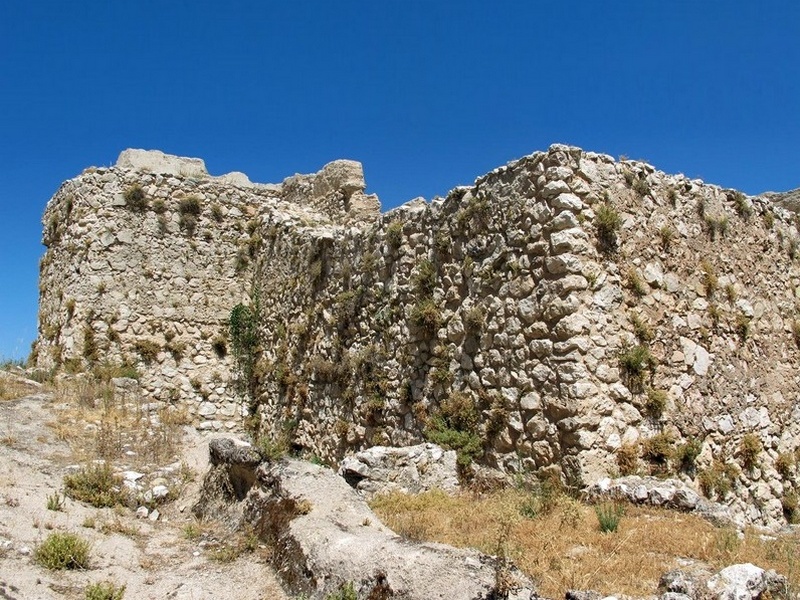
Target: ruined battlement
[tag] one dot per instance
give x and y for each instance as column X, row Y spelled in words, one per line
column 565, row 311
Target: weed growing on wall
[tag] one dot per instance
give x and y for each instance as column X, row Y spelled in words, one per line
column 244, row 341
column 135, row 198
column 455, row 426
column 607, row 222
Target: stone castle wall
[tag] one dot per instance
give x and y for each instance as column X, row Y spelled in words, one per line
column 496, row 314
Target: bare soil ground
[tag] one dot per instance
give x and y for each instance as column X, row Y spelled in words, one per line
column 168, row 558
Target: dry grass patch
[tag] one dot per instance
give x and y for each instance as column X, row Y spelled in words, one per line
column 564, row 548
column 13, row 387
column 96, row 425
column 221, row 544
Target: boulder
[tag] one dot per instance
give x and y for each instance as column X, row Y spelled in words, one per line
column 745, row 582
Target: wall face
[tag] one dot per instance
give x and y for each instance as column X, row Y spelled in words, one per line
column 495, row 320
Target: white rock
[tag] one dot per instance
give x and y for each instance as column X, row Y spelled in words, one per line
column 702, row 360
column 132, row 475
column 160, row 491
column 738, row 582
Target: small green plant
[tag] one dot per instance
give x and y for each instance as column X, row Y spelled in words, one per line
column 424, row 279
column 176, row 348
column 96, row 485
column 641, row 329
column 609, row 515
column 656, row 403
column 159, row 206
column 455, row 426
column 742, row 206
column 716, row 225
column 640, row 186
column 607, row 222
column 730, row 293
column 715, row 314
column 635, row 362
column 70, row 305
column 346, row 591
column 190, row 206
column 474, row 318
column 189, row 209
column 61, row 551
column 55, row 502
column 686, row 455
column 135, row 198
column 635, row 283
column 543, row 499
column 667, row 234
column 427, row 315
column 742, row 326
column 272, row 448
column 216, row 212
column 718, row 480
column 672, row 196
column 749, row 449
column 442, row 241
column 394, row 234
column 104, row 590
column 476, row 212
column 768, row 218
column 91, row 352
column 708, row 278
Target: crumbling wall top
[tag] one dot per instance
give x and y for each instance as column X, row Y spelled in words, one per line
column 155, row 161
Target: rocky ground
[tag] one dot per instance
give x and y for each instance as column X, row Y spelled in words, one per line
column 171, row 557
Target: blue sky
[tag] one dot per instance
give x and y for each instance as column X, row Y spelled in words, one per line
column 428, row 95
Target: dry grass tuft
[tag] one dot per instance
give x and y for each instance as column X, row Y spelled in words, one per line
column 630, row 561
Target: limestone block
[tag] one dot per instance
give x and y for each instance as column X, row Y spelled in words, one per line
column 555, row 188
column 745, row 582
column 530, row 402
column 569, row 241
column 567, row 202
column 564, row 220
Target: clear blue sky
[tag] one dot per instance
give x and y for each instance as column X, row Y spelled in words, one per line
column 428, row 95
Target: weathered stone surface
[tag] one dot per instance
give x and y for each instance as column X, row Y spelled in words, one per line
column 155, row 161
column 325, row 536
column 745, row 582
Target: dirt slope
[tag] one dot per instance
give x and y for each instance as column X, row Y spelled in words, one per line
column 153, row 559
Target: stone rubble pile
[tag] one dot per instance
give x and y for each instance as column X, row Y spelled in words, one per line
column 409, row 470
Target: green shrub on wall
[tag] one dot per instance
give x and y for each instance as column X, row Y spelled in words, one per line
column 243, row 336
